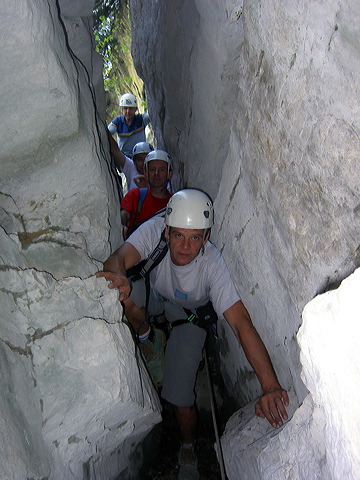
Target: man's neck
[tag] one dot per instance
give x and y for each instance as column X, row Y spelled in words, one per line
column 161, row 192
column 129, row 122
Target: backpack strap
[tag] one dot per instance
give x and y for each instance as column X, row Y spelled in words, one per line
column 153, row 259
column 159, row 213
column 142, row 195
column 141, row 198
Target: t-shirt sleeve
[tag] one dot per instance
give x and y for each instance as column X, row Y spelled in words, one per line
column 112, row 127
column 146, row 119
column 129, row 171
column 130, row 201
column 147, row 236
column 223, row 293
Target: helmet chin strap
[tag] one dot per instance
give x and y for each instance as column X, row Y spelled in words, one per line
column 203, row 244
column 204, row 237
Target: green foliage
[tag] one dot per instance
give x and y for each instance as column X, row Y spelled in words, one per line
column 126, row 80
column 105, row 9
column 104, row 33
column 113, row 41
column 112, row 33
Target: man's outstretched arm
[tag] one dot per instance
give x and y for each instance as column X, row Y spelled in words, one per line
column 272, row 404
column 115, row 151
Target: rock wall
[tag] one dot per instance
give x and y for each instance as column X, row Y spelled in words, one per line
column 259, row 105
column 322, row 439
column 75, row 399
column 258, row 102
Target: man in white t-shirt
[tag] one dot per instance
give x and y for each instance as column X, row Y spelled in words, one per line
column 133, row 169
column 191, row 273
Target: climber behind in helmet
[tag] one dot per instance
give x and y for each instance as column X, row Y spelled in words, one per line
column 191, row 274
column 140, row 203
column 139, row 153
column 130, row 126
column 133, row 169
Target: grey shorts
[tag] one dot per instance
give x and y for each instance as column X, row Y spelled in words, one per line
column 183, row 352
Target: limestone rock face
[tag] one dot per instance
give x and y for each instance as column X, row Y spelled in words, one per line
column 75, row 398
column 322, row 438
column 259, row 107
column 330, row 355
column 258, row 102
column 252, row 447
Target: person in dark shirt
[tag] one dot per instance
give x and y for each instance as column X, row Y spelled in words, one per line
column 130, row 126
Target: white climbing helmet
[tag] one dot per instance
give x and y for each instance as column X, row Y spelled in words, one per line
column 158, row 155
column 142, row 147
column 190, row 208
column 128, row 100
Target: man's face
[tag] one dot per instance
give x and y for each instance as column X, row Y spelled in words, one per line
column 185, row 244
column 139, row 162
column 129, row 113
column 157, row 173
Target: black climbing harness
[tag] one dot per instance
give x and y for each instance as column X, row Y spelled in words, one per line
column 205, row 317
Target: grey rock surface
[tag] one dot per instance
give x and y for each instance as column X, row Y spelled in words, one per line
column 76, row 400
column 258, row 102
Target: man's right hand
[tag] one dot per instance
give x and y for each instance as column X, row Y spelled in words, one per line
column 117, row 280
column 272, row 406
column 140, row 181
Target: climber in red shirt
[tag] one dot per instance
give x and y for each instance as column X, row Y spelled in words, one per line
column 139, row 204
